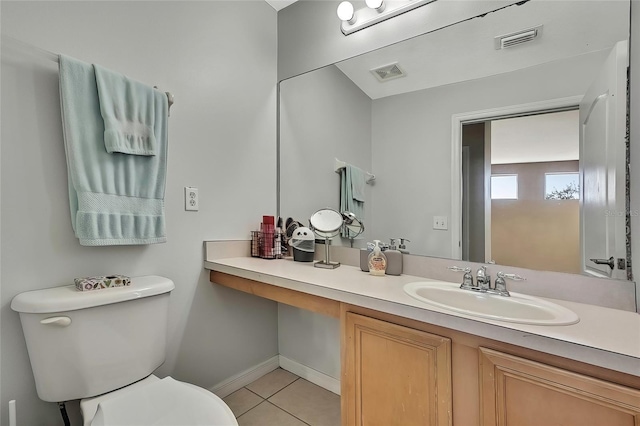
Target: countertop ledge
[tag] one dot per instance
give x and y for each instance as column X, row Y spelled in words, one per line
column 605, row 337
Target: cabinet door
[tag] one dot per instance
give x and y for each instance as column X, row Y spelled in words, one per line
column 518, row 392
column 394, row 375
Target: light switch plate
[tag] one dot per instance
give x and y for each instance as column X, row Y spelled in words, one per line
column 191, row 200
column 441, row 223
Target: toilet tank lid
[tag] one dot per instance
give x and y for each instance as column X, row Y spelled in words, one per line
column 67, row 298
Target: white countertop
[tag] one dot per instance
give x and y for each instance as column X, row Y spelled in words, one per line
column 605, row 337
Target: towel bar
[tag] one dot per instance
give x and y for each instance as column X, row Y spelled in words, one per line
column 54, row 57
column 338, row 165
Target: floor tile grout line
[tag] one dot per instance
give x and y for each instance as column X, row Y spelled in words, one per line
column 267, row 399
column 270, row 396
column 292, row 415
column 259, row 396
column 279, row 368
column 275, row 406
column 284, row 409
column 245, row 412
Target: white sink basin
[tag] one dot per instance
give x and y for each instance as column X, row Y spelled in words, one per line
column 518, row 308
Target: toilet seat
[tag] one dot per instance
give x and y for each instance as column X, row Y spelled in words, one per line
column 164, row 402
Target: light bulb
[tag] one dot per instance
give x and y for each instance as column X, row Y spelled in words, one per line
column 375, row 4
column 346, row 12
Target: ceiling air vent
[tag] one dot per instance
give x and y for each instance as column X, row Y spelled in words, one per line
column 514, row 39
column 388, row 72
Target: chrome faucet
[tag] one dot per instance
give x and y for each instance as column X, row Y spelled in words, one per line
column 483, row 279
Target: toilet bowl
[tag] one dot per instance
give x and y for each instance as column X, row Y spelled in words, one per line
column 157, row 402
column 102, row 347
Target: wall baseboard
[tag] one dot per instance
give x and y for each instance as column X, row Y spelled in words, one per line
column 242, row 379
column 314, row 376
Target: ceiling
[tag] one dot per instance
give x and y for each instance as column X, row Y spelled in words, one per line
column 535, row 138
column 280, row 4
column 466, row 51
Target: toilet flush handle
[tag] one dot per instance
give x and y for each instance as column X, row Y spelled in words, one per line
column 59, row 321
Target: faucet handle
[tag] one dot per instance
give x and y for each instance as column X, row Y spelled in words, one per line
column 514, row 277
column 458, row 269
column 467, row 279
column 501, row 284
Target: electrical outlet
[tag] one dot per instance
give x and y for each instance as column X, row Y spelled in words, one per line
column 191, row 200
column 440, row 222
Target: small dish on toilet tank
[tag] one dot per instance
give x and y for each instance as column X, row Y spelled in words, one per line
column 97, row 283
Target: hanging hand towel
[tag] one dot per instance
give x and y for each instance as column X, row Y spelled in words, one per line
column 358, row 182
column 115, row 199
column 127, row 108
column 348, row 201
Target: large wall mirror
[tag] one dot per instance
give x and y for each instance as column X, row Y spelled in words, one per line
column 499, row 139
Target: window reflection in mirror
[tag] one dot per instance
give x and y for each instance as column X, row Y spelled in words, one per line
column 534, row 163
column 504, row 187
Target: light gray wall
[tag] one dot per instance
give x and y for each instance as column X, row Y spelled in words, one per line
column 311, row 339
column 309, row 35
column 323, row 116
column 634, row 48
column 411, row 143
column 219, row 60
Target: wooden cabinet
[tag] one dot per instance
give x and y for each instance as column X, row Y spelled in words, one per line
column 394, row 375
column 518, row 392
column 402, row 372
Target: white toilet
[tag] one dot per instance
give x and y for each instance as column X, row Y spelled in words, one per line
column 101, row 346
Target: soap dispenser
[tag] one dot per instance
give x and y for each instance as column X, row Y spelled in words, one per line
column 364, row 257
column 394, row 259
column 377, row 260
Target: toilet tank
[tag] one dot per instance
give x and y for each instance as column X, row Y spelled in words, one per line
column 86, row 343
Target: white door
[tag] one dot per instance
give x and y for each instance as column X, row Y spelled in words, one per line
column 603, row 167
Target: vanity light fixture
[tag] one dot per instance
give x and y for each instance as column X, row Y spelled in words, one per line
column 375, row 12
column 378, row 5
column 346, row 12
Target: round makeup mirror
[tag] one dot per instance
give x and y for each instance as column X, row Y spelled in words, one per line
column 326, row 223
column 353, row 225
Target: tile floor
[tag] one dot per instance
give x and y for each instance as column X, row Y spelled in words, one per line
column 281, row 398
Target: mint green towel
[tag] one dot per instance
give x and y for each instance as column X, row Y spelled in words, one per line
column 358, row 182
column 348, row 200
column 115, row 199
column 128, row 110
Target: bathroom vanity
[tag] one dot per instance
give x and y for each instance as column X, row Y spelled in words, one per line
column 406, row 362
